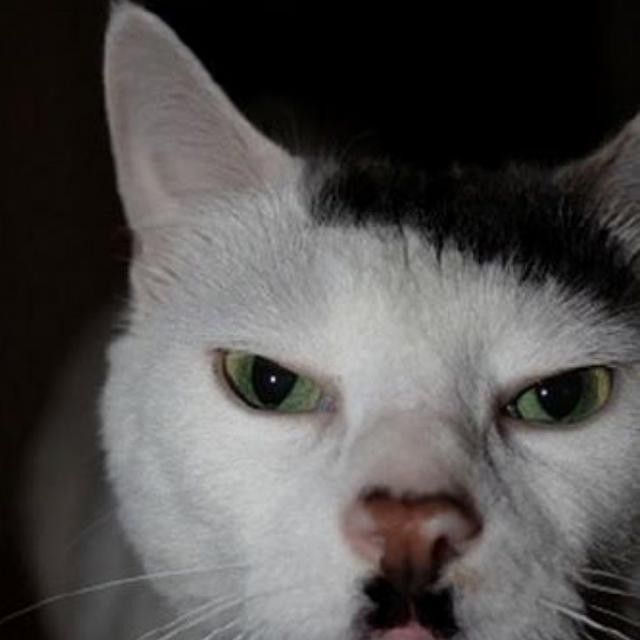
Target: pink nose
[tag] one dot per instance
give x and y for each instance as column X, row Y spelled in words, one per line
column 415, row 535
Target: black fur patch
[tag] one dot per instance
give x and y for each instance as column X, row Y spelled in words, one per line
column 518, row 216
column 395, row 605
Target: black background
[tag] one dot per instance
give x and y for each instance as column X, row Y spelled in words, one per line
column 536, row 81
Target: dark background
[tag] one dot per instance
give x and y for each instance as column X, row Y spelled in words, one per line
column 531, row 80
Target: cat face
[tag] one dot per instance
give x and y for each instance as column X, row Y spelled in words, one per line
column 411, row 489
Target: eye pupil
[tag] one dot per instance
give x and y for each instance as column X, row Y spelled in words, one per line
column 271, row 383
column 560, row 396
column 566, row 398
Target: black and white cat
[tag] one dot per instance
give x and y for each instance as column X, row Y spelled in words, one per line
column 348, row 401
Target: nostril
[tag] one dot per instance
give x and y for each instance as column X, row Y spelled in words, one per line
column 442, row 553
column 410, row 536
column 451, row 520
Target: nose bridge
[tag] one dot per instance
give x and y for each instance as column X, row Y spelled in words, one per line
column 410, row 508
column 408, row 452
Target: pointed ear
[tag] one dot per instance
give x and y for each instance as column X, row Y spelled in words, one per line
column 174, row 133
column 609, row 180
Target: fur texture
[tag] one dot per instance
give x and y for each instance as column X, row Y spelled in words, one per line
column 422, row 305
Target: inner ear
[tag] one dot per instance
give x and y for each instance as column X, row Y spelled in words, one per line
column 174, row 132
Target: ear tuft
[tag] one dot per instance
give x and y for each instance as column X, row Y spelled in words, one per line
column 174, row 132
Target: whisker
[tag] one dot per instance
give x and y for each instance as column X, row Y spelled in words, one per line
column 611, row 575
column 594, row 586
column 251, row 635
column 578, row 616
column 226, row 627
column 178, row 620
column 246, row 634
column 216, row 608
column 90, row 528
column 210, row 609
column 195, row 620
column 111, row 584
column 616, row 615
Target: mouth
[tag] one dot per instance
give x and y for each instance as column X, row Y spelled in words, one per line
column 411, row 631
column 396, row 614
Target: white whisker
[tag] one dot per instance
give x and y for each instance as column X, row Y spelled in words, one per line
column 111, row 584
column 578, row 616
column 594, row 586
column 617, row 616
column 611, row 575
column 249, row 633
column 210, row 609
column 226, row 627
column 246, row 634
column 178, row 621
column 200, row 618
column 90, row 528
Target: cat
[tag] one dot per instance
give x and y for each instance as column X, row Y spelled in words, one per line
column 347, row 400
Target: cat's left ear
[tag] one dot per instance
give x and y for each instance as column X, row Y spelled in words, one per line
column 609, row 181
column 174, row 133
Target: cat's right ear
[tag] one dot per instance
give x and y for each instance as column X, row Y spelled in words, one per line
column 174, row 133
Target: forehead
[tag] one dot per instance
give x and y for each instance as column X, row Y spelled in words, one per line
column 394, row 298
column 326, row 282
column 376, row 309
column 519, row 217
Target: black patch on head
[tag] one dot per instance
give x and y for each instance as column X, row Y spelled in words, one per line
column 518, row 216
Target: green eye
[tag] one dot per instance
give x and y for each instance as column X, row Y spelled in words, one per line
column 565, row 398
column 264, row 384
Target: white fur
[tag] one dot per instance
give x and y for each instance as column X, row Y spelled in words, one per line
column 414, row 353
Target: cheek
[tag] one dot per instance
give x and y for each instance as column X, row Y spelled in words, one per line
column 302, row 573
column 580, row 476
column 502, row 581
column 197, row 449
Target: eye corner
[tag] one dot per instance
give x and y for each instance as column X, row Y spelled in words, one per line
column 509, row 411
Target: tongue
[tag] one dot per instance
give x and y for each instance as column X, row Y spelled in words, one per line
column 411, row 631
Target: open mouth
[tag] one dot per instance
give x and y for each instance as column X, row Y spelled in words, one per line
column 396, row 614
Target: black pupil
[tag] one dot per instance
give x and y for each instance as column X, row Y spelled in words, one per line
column 271, row 383
column 560, row 396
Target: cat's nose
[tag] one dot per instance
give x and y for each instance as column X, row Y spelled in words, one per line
column 410, row 536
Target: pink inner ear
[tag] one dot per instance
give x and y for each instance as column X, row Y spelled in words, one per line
column 174, row 131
